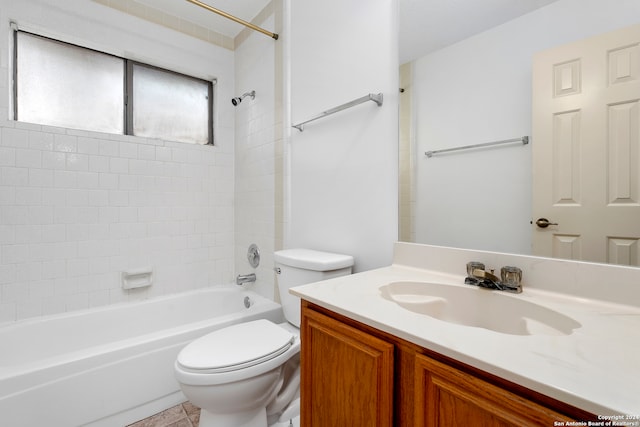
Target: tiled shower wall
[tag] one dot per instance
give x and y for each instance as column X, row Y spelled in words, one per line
column 79, row 208
column 257, row 168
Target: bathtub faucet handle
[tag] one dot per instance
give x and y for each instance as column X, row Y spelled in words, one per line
column 244, row 278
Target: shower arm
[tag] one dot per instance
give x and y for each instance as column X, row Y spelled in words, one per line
column 251, row 93
column 234, row 18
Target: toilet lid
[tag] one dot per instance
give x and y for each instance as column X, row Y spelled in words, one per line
column 236, row 347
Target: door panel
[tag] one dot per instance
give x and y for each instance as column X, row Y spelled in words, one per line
column 586, row 149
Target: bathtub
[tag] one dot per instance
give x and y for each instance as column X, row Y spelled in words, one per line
column 110, row 366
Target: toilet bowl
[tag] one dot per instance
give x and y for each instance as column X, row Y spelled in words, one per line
column 248, row 375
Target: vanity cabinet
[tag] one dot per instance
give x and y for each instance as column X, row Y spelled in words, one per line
column 353, row 374
column 347, row 375
column 445, row 396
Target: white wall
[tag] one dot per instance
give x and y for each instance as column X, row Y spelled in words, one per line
column 343, row 168
column 479, row 90
column 77, row 208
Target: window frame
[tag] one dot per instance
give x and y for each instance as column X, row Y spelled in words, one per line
column 127, row 87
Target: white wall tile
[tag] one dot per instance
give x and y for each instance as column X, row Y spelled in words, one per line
column 98, row 198
column 146, row 152
column 12, row 137
column 29, row 308
column 29, row 272
column 28, row 196
column 52, row 196
column 77, row 197
column 77, row 162
column 7, row 156
column 163, row 153
column 128, row 150
column 108, row 148
column 53, row 233
column 15, row 176
column 40, row 289
column 7, row 234
column 28, row 158
column 28, row 233
column 40, row 215
column 53, row 269
column 98, row 298
column 65, row 179
column 78, row 267
column 88, row 180
column 40, row 140
column 40, row 177
column 13, row 215
column 54, row 160
column 108, row 181
column 15, row 254
column 118, row 165
column 65, row 143
column 99, row 163
column 87, row 145
column 77, row 232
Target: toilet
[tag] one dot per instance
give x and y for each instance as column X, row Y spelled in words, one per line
column 248, row 374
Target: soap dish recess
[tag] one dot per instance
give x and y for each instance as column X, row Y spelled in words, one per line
column 138, row 278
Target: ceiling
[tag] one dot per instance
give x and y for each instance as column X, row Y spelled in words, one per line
column 425, row 25
column 429, row 25
column 243, row 9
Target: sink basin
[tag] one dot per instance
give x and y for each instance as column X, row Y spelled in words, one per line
column 478, row 307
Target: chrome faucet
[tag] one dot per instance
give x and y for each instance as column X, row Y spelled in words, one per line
column 509, row 280
column 245, row 278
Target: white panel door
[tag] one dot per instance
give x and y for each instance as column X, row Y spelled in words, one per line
column 586, row 149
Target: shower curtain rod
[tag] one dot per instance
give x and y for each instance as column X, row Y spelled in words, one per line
column 233, row 18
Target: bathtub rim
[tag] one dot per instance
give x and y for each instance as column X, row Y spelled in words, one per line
column 116, row 305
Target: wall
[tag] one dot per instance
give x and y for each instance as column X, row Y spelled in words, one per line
column 257, row 194
column 479, row 90
column 77, row 208
column 343, row 173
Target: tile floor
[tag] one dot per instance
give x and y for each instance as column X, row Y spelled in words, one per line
column 183, row 415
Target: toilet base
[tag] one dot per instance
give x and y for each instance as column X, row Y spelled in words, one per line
column 294, row 422
column 257, row 418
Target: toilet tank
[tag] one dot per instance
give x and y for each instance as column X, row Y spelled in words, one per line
column 297, row 267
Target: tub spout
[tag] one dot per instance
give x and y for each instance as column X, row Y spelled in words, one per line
column 244, row 278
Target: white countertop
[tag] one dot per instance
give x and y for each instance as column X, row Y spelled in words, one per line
column 595, row 368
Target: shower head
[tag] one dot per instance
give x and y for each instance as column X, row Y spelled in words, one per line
column 238, row 100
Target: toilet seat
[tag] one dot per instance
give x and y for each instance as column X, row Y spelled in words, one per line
column 235, row 348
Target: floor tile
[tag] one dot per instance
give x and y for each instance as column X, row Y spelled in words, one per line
column 183, row 415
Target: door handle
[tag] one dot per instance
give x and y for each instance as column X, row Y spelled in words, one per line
column 544, row 223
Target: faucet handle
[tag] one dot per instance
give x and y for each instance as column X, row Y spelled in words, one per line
column 474, row 265
column 511, row 276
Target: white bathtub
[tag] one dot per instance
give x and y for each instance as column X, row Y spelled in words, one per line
column 110, row 366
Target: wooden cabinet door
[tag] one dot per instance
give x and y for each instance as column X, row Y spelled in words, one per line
column 445, row 396
column 347, row 375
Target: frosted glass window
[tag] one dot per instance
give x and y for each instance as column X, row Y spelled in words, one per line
column 68, row 86
column 170, row 106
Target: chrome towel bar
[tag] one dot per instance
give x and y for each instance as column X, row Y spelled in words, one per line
column 524, row 140
column 375, row 97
